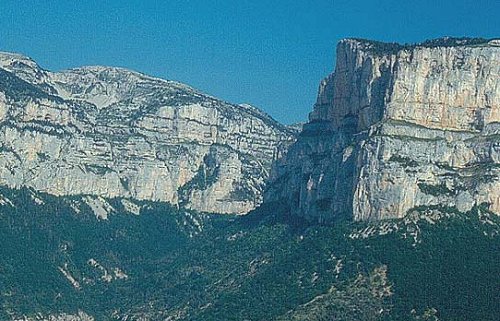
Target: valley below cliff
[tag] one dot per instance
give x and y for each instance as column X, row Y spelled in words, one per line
column 148, row 261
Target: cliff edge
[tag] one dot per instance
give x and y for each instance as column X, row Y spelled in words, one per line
column 397, row 127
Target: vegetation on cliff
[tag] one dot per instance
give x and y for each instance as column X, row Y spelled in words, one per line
column 387, row 48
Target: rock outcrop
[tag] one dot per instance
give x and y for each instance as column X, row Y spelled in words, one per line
column 112, row 132
column 396, row 127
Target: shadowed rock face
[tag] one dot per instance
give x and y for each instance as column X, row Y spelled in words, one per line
column 396, row 127
column 113, row 132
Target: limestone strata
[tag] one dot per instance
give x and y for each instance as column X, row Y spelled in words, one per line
column 396, row 127
column 112, row 132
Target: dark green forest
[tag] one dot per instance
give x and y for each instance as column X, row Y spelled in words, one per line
column 434, row 264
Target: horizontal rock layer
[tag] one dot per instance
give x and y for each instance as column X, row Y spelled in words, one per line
column 397, row 127
column 113, row 132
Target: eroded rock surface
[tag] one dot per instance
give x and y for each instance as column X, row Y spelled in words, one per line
column 396, row 127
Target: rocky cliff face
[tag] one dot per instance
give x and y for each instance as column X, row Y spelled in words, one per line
column 396, row 127
column 113, row 132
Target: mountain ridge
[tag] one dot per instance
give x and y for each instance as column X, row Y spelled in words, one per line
column 106, row 107
column 9, row 58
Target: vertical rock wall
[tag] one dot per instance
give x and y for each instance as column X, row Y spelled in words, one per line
column 396, row 127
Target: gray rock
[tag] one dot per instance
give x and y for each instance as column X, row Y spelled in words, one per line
column 396, row 127
column 112, row 132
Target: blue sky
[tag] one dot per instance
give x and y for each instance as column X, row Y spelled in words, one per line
column 271, row 54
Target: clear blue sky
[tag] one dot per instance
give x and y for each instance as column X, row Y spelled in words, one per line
column 271, row 54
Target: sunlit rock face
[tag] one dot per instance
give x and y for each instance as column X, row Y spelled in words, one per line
column 113, row 132
column 396, row 127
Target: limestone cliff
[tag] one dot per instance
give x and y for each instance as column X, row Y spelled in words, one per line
column 113, row 132
column 396, row 127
